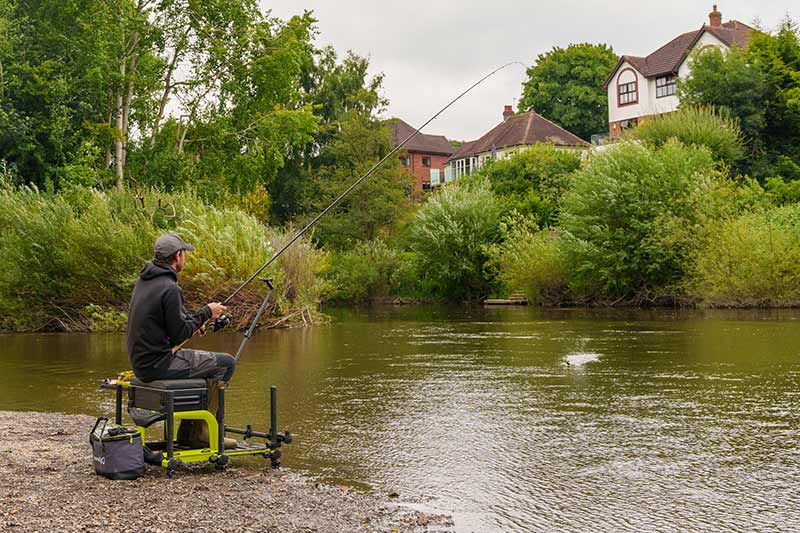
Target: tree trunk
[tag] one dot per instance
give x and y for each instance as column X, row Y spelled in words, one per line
column 126, row 107
column 164, row 97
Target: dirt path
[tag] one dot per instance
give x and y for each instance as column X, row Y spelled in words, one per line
column 47, row 483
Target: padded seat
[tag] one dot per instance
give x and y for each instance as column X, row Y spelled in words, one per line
column 171, row 384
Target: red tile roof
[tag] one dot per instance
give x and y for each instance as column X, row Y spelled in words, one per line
column 669, row 57
column 520, row 130
column 424, row 143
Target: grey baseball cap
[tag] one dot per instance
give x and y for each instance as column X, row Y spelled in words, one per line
column 168, row 244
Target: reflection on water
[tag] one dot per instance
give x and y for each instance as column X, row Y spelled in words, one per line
column 513, row 418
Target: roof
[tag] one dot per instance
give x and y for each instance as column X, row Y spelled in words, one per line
column 520, row 130
column 422, row 142
column 669, row 57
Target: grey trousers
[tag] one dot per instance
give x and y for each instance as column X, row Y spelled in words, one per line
column 191, row 364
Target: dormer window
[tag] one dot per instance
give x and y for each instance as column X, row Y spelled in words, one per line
column 627, row 87
column 665, row 86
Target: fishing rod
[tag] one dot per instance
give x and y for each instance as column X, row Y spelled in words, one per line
column 355, row 184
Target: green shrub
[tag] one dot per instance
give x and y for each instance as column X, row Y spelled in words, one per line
column 369, row 271
column 617, row 244
column 693, row 125
column 532, row 262
column 533, row 181
column 750, row 260
column 449, row 236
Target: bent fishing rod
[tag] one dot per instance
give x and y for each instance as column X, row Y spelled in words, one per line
column 225, row 319
column 356, row 183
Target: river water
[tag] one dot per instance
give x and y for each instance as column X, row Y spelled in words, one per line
column 510, row 419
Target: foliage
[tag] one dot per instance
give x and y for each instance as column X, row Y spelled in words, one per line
column 701, row 126
column 450, row 234
column 532, row 262
column 760, row 87
column 616, row 244
column 750, row 260
column 380, row 200
column 62, row 253
column 369, row 271
column 729, row 83
column 566, row 86
column 533, row 181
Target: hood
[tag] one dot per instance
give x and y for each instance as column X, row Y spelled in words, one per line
column 151, row 270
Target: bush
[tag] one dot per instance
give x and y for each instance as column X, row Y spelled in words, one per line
column 369, row 271
column 750, row 260
column 701, row 126
column 533, row 181
column 449, row 236
column 532, row 262
column 617, row 244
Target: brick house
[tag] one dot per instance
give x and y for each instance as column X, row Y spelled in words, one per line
column 642, row 86
column 426, row 154
column 516, row 133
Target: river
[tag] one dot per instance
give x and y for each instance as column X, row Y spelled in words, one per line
column 510, row 419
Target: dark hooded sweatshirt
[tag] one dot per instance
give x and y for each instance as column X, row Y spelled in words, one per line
column 157, row 320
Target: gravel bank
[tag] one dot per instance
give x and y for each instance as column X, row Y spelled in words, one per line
column 47, row 483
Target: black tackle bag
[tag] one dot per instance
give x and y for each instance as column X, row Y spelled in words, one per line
column 117, row 451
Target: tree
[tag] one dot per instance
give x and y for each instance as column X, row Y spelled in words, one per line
column 372, row 209
column 566, row 86
column 730, row 83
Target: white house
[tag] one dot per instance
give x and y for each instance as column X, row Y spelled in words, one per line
column 516, row 133
column 642, row 86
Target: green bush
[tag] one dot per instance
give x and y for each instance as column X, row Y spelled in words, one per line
column 369, row 271
column 533, row 181
column 750, row 260
column 617, row 244
column 695, row 125
column 449, row 236
column 532, row 262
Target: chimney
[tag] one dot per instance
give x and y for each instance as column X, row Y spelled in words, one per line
column 715, row 18
column 507, row 112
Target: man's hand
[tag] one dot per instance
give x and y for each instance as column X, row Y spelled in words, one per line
column 216, row 309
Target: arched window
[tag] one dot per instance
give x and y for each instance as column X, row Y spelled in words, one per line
column 627, row 87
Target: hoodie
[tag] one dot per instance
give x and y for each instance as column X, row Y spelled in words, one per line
column 157, row 320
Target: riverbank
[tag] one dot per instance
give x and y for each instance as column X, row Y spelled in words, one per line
column 49, row 484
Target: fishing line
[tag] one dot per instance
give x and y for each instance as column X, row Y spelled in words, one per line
column 362, row 178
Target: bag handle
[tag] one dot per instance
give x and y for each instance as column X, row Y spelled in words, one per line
column 95, row 427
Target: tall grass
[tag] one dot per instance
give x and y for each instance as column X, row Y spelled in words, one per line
column 68, row 261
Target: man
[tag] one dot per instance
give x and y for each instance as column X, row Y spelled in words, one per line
column 158, row 322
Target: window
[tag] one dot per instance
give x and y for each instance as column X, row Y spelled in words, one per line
column 628, row 93
column 665, row 86
column 426, row 161
column 404, row 160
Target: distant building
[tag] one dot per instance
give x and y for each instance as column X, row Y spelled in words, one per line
column 516, row 133
column 427, row 154
column 643, row 86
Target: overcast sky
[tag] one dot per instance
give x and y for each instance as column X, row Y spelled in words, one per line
column 431, row 50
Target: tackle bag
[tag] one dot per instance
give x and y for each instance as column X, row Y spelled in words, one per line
column 117, row 451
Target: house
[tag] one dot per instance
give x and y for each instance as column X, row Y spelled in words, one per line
column 642, row 86
column 513, row 135
column 427, row 154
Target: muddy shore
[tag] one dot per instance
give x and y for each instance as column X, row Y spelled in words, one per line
column 48, row 484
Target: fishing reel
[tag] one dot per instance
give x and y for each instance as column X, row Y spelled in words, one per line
column 221, row 322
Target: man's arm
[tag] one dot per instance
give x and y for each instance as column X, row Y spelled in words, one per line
column 178, row 325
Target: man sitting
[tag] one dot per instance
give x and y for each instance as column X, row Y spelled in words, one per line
column 158, row 324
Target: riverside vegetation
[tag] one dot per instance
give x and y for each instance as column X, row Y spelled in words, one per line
column 698, row 207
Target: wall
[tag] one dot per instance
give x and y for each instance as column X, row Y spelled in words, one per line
column 422, row 174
